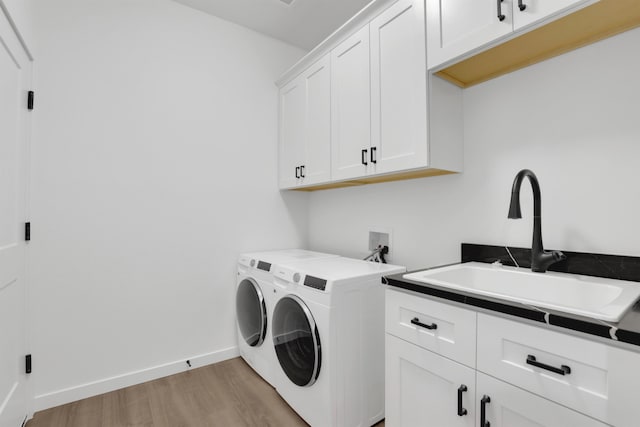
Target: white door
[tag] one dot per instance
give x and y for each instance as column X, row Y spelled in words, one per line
column 399, row 88
column 292, row 132
column 317, row 157
column 526, row 12
column 455, row 27
column 426, row 389
column 350, row 107
column 15, row 71
column 509, row 406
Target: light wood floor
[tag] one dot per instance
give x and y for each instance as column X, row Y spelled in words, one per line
column 226, row 394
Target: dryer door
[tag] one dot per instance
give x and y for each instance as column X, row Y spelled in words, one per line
column 296, row 340
column 251, row 312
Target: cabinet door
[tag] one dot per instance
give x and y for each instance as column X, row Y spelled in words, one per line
column 510, row 406
column 534, row 11
column 350, row 107
column 292, row 132
column 317, row 153
column 456, row 27
column 422, row 388
column 399, row 88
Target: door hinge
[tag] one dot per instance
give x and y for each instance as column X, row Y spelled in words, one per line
column 27, row 360
column 27, row 231
column 30, row 97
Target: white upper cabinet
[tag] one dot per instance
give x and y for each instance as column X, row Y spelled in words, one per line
column 292, row 121
column 458, row 27
column 388, row 117
column 350, row 106
column 398, row 88
column 316, row 167
column 305, row 127
column 527, row 12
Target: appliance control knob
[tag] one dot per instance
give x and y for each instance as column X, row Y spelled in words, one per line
column 296, row 277
column 252, row 263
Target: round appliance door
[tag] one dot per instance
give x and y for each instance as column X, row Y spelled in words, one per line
column 251, row 312
column 296, row 341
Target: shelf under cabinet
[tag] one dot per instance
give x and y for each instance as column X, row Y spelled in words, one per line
column 591, row 24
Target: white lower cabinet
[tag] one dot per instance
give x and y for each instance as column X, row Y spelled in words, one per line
column 426, row 389
column 514, row 374
column 503, row 405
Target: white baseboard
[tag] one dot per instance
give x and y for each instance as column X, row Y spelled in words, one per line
column 71, row 394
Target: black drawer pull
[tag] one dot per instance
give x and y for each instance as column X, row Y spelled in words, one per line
column 373, row 155
column 500, row 15
column 483, row 411
column 364, row 157
column 461, row 410
column 297, row 171
column 521, row 5
column 562, row 370
column 302, row 171
column 417, row 322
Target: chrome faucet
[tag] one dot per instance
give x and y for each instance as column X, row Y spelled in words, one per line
column 540, row 259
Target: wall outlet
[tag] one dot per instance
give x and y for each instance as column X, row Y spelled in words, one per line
column 380, row 237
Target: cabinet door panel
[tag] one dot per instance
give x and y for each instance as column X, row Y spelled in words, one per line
column 292, row 130
column 456, row 27
column 422, row 388
column 317, row 156
column 536, row 10
column 350, row 106
column 399, row 87
column 513, row 407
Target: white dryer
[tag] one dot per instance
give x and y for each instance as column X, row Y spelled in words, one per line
column 254, row 305
column 328, row 335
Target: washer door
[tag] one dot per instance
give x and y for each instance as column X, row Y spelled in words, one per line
column 296, row 340
column 251, row 312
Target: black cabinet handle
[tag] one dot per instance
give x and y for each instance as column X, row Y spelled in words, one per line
column 297, row 171
column 302, row 171
column 364, row 157
column 417, row 322
column 500, row 15
column 461, row 410
column 373, row 155
column 562, row 370
column 521, row 5
column 483, row 411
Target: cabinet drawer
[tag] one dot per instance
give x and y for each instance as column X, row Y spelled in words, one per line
column 590, row 377
column 454, row 335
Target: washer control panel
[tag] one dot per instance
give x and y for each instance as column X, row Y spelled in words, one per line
column 265, row 266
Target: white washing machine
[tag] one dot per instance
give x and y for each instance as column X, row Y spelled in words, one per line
column 328, row 336
column 254, row 305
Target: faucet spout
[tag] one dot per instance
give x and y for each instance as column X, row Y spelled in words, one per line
column 540, row 259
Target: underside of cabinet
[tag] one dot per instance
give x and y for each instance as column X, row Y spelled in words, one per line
column 593, row 23
column 380, row 178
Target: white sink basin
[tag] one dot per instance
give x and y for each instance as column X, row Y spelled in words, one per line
column 605, row 299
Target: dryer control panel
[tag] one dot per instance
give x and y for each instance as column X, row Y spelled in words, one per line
column 315, row 282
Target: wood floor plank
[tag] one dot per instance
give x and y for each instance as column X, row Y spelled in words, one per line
column 226, row 394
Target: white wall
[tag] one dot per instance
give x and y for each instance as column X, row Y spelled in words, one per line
column 20, row 15
column 573, row 120
column 155, row 165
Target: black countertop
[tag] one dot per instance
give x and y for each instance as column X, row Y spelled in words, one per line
column 627, row 330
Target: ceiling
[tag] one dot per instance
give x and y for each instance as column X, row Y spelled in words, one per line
column 303, row 23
